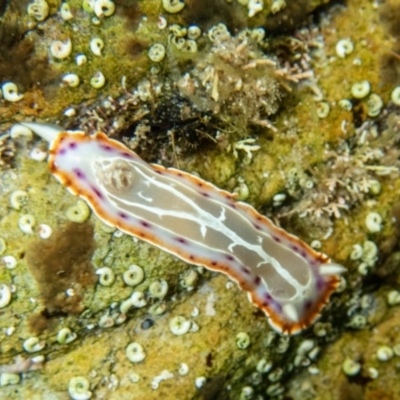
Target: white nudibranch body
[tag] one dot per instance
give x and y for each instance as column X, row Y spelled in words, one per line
column 10, row 92
column 61, row 50
column 201, row 224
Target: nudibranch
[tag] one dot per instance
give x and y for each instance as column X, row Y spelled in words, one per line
column 197, row 222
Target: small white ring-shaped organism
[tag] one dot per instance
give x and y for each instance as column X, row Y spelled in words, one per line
column 10, row 92
column 65, row 12
column 5, row 295
column 361, row 89
column 189, row 46
column 384, row 353
column 242, row 340
column 351, row 367
column 106, row 276
column 395, row 96
column 133, row 275
column 125, row 306
column 70, row 112
column 374, row 186
column 135, row 353
column 26, row 223
column 104, row 8
column 98, row 80
column 78, row 213
column 183, row 369
column 18, row 198
column 200, row 381
column 373, row 222
column 138, row 299
column 9, row 378
column 374, row 105
column 357, row 252
column 255, row 6
column 264, row 366
column 20, row 131
column 38, row 9
column 370, row 251
column 344, row 47
column 61, row 50
column 80, row 59
column 71, row 80
column 393, row 297
column 157, row 52
column 173, row 6
column 346, row 104
column 179, row 325
column 323, row 109
column 44, row 231
column 193, row 32
column 33, row 344
column 78, row 388
column 38, row 154
column 65, row 336
column 157, row 309
column 158, row 289
column 96, row 46
column 10, row 262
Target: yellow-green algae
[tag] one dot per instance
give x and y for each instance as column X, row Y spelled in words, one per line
column 99, row 354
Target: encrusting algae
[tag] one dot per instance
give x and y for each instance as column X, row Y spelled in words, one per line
column 257, row 97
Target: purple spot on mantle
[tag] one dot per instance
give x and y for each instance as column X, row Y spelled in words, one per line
column 123, row 215
column 307, row 304
column 257, row 280
column 268, row 297
column 320, row 284
column 97, row 192
column 278, row 240
column 72, row 145
column 204, row 194
column 230, row 258
column 258, row 227
column 145, row 224
column 125, row 154
column 106, row 147
column 62, row 151
column 181, row 240
column 295, row 248
column 245, row 270
column 79, row 173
